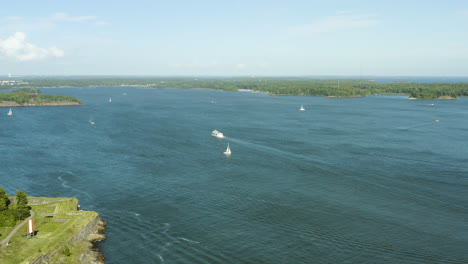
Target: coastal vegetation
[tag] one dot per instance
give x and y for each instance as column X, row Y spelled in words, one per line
column 11, row 213
column 29, row 96
column 270, row 85
column 63, row 233
column 330, row 88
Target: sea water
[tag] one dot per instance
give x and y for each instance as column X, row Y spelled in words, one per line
column 379, row 179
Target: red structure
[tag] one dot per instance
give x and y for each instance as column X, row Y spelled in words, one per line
column 30, row 228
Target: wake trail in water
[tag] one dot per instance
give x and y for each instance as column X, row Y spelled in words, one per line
column 188, row 240
column 64, row 185
column 270, row 150
column 420, row 160
column 161, row 258
column 419, row 125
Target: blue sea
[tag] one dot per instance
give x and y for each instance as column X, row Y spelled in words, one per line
column 379, row 179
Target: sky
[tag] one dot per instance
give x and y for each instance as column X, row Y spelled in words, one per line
column 234, row 38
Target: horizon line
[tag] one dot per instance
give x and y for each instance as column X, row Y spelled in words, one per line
column 218, row 76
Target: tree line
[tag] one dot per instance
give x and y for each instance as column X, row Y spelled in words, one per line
column 271, row 85
column 11, row 213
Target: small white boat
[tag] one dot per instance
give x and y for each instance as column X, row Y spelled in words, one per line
column 228, row 151
column 110, row 100
column 302, row 108
column 10, row 113
column 217, row 134
column 92, row 122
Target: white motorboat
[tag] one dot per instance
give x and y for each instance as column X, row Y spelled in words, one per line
column 217, row 134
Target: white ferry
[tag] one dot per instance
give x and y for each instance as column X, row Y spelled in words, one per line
column 217, row 134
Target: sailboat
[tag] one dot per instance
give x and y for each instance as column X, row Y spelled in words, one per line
column 10, row 113
column 228, row 151
column 110, row 100
column 302, row 108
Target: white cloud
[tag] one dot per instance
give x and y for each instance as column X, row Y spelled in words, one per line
column 13, row 18
column 102, row 23
column 240, row 66
column 340, row 22
column 67, row 18
column 16, row 47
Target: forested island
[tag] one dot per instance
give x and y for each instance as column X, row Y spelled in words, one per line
column 34, row 97
column 270, row 85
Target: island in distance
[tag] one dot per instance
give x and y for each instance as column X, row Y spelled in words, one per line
column 34, row 97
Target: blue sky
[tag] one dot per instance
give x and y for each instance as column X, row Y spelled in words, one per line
column 419, row 38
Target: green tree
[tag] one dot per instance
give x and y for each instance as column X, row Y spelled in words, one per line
column 22, row 208
column 3, row 200
column 21, row 198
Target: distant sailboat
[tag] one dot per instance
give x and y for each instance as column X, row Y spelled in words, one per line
column 10, row 113
column 110, row 100
column 228, row 151
column 302, row 108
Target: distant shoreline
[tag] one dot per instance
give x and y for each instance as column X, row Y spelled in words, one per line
column 270, row 93
column 46, row 104
column 438, row 98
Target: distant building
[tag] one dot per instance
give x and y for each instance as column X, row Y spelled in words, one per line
column 10, row 82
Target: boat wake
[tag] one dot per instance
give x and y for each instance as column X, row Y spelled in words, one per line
column 64, row 185
column 161, row 258
column 419, row 125
column 267, row 149
column 188, row 240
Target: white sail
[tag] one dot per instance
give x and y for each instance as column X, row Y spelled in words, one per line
column 302, row 108
column 110, row 100
column 228, row 151
column 10, row 112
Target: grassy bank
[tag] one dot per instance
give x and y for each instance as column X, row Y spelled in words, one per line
column 57, row 223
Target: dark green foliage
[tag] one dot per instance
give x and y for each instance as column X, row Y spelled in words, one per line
column 272, row 85
column 15, row 212
column 34, row 96
column 8, row 218
column 3, row 200
column 22, row 212
column 22, row 208
column 21, row 198
column 28, row 90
